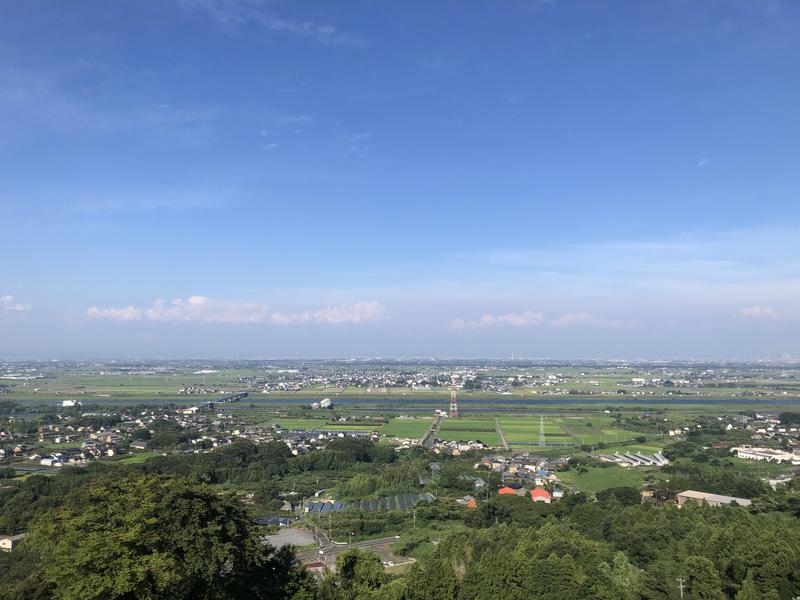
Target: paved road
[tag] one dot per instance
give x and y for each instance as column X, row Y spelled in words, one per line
column 331, row 550
column 430, row 435
column 291, row 536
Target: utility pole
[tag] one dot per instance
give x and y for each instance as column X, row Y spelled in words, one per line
column 680, row 586
column 415, row 518
column 351, row 538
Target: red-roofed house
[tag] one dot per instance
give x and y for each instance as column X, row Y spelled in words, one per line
column 317, row 568
column 540, row 495
column 507, row 490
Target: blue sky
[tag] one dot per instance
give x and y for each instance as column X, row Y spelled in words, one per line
column 553, row 178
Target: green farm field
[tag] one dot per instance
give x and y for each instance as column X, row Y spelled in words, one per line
column 574, row 429
column 467, row 425
column 352, row 427
column 137, row 458
column 409, row 428
column 602, row 478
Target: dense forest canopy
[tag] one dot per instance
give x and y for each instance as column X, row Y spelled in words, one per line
column 162, row 529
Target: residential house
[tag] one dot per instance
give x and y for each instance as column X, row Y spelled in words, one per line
column 541, row 495
column 9, row 542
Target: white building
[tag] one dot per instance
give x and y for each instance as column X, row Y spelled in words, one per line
column 767, row 454
column 9, row 542
column 710, row 499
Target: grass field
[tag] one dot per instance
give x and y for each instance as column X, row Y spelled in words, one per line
column 140, row 457
column 352, row 427
column 411, row 428
column 467, row 425
column 599, row 478
column 524, row 430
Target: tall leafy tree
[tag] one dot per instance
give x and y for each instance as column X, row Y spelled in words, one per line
column 704, row 582
column 148, row 537
column 748, row 591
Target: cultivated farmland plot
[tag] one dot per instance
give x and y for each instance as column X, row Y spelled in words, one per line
column 577, row 430
column 410, row 428
column 467, row 425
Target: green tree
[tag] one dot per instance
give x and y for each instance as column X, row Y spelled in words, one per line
column 625, row 578
column 149, row 537
column 704, row 582
column 360, row 572
column 748, row 590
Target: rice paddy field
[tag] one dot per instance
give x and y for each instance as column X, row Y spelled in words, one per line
column 407, row 428
column 467, row 425
column 567, row 429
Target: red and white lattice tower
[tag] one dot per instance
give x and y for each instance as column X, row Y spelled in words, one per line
column 453, row 403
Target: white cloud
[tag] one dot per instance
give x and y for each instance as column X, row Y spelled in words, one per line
column 759, row 312
column 361, row 312
column 207, row 310
column 703, row 162
column 7, row 303
column 580, row 319
column 526, row 319
column 129, row 313
column 203, row 309
column 236, row 13
column 531, row 319
column 577, row 319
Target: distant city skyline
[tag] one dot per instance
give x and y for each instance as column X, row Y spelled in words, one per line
column 539, row 178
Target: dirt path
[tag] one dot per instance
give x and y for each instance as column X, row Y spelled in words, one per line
column 499, row 431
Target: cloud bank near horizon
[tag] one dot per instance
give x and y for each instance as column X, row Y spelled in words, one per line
column 202, row 309
column 7, row 303
column 533, row 319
